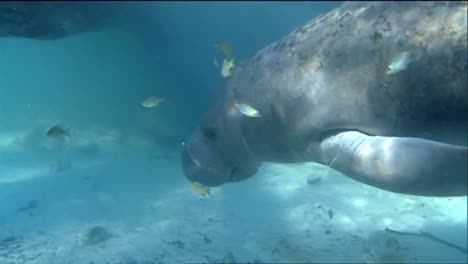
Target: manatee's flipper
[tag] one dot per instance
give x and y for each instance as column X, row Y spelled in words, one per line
column 403, row 165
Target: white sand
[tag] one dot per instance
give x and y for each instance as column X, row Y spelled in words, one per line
column 155, row 217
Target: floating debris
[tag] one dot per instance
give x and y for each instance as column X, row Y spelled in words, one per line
column 201, row 189
column 398, row 64
column 58, row 132
column 228, row 65
column 247, row 110
column 95, row 235
column 152, row 101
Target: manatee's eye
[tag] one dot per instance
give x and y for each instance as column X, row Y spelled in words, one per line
column 209, row 133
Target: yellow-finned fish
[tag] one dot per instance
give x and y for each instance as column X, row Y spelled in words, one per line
column 399, row 63
column 201, row 189
column 227, row 66
column 247, row 110
column 225, row 48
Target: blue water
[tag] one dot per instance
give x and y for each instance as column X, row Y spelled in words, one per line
column 121, row 163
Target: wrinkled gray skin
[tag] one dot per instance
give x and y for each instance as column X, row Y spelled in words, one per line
column 325, row 97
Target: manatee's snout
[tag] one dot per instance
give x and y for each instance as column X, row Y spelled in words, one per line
column 212, row 161
column 202, row 162
column 196, row 172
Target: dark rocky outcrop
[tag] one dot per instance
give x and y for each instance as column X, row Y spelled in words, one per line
column 53, row 20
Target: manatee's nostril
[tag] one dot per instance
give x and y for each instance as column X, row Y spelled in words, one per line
column 233, row 171
column 209, row 133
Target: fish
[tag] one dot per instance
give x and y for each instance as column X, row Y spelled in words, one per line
column 225, row 48
column 201, row 189
column 215, row 63
column 58, row 132
column 152, row 101
column 399, row 63
column 227, row 66
column 247, row 110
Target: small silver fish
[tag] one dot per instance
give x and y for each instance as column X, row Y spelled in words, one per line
column 247, row 110
column 152, row 101
column 400, row 63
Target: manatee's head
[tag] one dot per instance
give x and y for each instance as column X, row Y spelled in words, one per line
column 211, row 161
column 216, row 153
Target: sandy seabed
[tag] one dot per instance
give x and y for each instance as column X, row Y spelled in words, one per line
column 147, row 213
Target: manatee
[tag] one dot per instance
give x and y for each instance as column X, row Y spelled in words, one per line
column 326, row 95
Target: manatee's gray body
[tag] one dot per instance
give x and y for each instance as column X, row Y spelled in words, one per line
column 325, row 96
